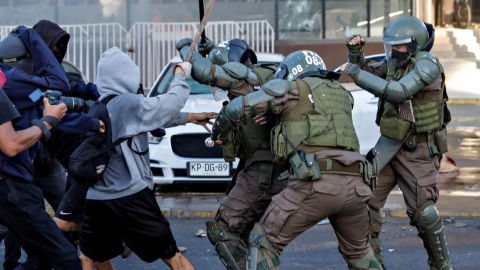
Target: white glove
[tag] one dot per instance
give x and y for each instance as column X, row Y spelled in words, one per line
column 186, row 67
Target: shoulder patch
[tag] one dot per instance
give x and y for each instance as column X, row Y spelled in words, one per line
column 236, row 70
column 277, row 87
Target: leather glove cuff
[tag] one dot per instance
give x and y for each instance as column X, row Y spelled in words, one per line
column 351, row 70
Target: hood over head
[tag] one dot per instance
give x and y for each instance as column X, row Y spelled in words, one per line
column 54, row 36
column 117, row 73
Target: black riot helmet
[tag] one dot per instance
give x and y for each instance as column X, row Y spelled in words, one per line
column 235, row 50
column 15, row 54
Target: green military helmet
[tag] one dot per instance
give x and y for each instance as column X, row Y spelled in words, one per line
column 235, row 50
column 300, row 64
column 408, row 31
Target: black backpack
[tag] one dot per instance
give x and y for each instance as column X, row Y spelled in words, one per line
column 90, row 160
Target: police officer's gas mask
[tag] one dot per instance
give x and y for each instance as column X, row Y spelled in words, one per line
column 400, row 51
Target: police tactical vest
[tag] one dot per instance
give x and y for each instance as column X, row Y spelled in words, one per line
column 252, row 136
column 429, row 109
column 321, row 120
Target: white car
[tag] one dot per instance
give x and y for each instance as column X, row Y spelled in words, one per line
column 184, row 155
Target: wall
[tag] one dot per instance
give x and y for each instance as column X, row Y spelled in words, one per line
column 333, row 52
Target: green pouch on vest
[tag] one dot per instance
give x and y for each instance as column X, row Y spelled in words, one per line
column 312, row 163
column 391, row 125
column 230, row 149
column 300, row 168
column 441, row 140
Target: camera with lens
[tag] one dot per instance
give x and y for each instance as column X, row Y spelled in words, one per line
column 55, row 98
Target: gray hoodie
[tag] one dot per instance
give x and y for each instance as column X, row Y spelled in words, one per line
column 133, row 115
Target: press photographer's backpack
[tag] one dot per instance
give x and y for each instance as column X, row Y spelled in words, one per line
column 90, row 160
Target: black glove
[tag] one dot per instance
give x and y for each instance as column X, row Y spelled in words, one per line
column 205, row 47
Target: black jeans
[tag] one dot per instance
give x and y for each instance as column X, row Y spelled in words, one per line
column 22, row 210
column 52, row 183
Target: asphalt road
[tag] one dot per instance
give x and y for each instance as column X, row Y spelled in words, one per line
column 317, row 248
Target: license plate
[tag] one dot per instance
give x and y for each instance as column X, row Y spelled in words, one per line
column 208, row 169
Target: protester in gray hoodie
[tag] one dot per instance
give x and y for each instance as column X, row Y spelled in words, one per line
column 122, row 206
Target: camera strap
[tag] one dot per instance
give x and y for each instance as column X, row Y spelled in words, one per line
column 51, row 119
column 43, row 127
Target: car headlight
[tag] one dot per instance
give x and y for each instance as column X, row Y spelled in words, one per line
column 153, row 140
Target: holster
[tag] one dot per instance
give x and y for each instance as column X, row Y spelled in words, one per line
column 267, row 171
column 370, row 172
column 308, row 170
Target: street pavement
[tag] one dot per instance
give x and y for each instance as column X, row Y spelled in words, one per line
column 317, row 248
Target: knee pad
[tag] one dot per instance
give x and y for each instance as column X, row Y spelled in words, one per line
column 430, row 229
column 426, row 216
column 364, row 263
column 230, row 248
column 256, row 257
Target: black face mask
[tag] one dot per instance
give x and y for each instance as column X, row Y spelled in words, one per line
column 402, row 57
column 58, row 56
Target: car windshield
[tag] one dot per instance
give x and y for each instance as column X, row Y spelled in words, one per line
column 68, row 68
column 196, row 88
column 164, row 85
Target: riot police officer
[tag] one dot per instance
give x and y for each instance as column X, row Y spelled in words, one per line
column 232, row 65
column 412, row 116
column 327, row 176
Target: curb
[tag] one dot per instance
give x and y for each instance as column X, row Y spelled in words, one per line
column 450, row 203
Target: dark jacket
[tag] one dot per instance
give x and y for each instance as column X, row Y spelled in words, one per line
column 19, row 85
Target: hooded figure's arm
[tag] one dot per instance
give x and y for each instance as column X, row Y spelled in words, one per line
column 78, row 123
column 133, row 114
column 49, row 73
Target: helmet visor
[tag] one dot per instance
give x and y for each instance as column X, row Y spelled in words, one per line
column 400, row 49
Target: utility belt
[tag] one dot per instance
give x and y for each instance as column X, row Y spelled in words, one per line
column 436, row 141
column 267, row 171
column 308, row 168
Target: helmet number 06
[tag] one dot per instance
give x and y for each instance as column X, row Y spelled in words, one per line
column 297, row 69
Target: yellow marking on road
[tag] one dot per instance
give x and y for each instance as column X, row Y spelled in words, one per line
column 464, row 102
column 457, row 213
column 466, row 119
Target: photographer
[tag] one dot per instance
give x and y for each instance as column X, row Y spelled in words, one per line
column 22, row 208
column 29, row 65
column 122, row 206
